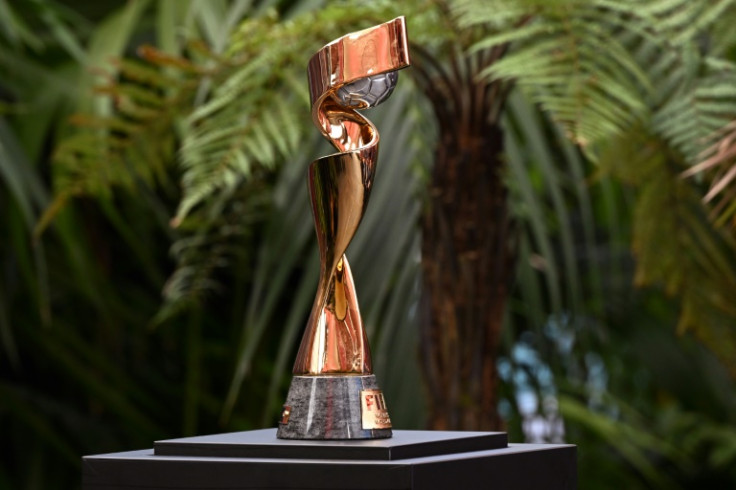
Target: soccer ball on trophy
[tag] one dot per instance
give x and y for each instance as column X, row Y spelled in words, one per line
column 369, row 91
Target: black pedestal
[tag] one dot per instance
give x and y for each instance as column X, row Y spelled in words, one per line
column 422, row 460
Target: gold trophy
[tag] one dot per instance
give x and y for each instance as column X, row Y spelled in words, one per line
column 333, row 393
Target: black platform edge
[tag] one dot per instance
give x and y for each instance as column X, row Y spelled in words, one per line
column 516, row 467
column 404, row 444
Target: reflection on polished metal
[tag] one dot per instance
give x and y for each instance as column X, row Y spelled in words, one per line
column 333, row 394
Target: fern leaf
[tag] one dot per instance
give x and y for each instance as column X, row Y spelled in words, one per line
column 602, row 95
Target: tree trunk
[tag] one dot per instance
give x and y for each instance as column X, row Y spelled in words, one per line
column 467, row 258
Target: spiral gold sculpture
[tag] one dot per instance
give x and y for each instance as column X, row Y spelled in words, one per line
column 333, row 394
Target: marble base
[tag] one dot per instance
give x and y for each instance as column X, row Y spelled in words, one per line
column 327, row 407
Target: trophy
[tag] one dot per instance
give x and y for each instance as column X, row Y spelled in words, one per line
column 333, row 393
column 334, row 397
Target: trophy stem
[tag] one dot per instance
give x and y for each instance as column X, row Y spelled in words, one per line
column 334, row 341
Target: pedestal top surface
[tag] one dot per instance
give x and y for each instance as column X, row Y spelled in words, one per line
column 264, row 444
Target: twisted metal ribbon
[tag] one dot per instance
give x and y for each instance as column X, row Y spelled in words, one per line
column 356, row 71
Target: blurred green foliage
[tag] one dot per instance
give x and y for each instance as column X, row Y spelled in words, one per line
column 158, row 261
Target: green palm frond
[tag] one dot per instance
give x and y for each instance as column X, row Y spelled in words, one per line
column 680, row 20
column 255, row 118
column 698, row 111
column 137, row 143
column 207, row 245
column 611, row 72
column 674, row 244
column 601, row 67
column 568, row 57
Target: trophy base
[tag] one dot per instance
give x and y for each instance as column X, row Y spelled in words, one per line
column 334, row 407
